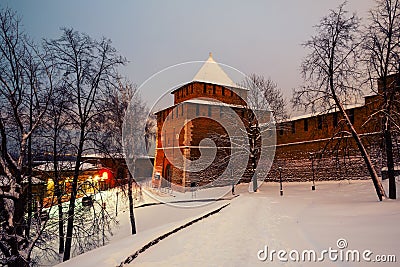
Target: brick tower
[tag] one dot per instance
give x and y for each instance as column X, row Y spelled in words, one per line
column 182, row 127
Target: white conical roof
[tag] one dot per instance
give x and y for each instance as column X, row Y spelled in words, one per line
column 211, row 72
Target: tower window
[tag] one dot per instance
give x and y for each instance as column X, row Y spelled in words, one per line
column 306, row 125
column 351, row 116
column 319, row 118
column 205, row 89
column 293, row 127
column 223, row 91
column 214, row 89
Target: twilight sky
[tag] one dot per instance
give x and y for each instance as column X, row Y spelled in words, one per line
column 262, row 37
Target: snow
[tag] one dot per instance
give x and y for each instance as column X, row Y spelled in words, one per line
column 211, row 72
column 396, row 168
column 211, row 102
column 66, row 165
column 200, row 196
column 332, row 110
column 151, row 222
column 301, row 219
column 104, row 156
column 386, row 184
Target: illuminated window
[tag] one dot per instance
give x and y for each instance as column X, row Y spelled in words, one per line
column 50, row 187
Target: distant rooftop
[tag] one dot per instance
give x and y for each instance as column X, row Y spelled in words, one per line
column 333, row 110
column 66, row 166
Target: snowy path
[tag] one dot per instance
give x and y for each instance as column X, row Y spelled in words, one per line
column 151, row 222
column 300, row 220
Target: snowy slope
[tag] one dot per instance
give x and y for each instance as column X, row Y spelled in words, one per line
column 151, row 222
column 301, row 219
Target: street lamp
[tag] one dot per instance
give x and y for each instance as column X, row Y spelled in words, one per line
column 280, row 180
column 116, row 205
column 312, row 157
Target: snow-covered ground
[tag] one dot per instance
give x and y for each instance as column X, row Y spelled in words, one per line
column 151, row 222
column 300, row 220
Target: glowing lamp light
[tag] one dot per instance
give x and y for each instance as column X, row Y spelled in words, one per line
column 96, row 177
column 50, row 184
column 105, row 175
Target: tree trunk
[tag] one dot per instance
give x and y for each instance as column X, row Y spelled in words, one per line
column 374, row 176
column 71, row 208
column 60, row 225
column 131, row 204
column 389, row 159
column 59, row 194
column 29, row 191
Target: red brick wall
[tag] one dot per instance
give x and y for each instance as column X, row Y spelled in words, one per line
column 218, row 92
column 339, row 159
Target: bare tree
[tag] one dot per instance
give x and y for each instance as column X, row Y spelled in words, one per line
column 329, row 71
column 263, row 97
column 119, row 99
column 89, row 67
column 57, row 136
column 25, row 87
column 133, row 130
column 382, row 52
column 265, row 94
